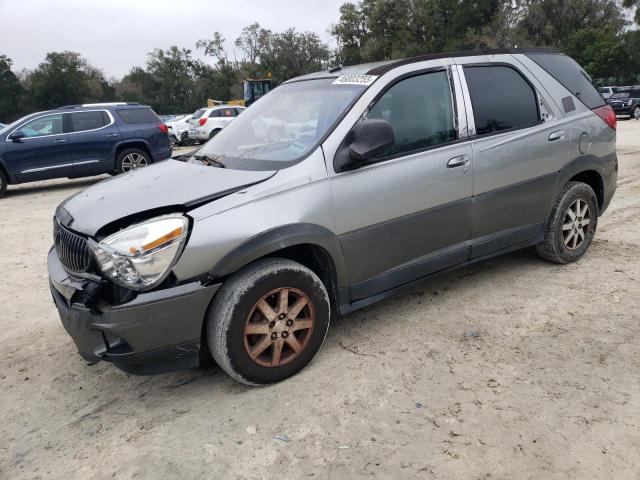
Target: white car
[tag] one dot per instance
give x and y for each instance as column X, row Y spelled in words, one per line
column 207, row 122
column 606, row 92
column 179, row 129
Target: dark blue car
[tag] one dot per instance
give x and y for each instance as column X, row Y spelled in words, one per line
column 81, row 141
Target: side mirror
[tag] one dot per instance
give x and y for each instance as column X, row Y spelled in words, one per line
column 17, row 135
column 368, row 139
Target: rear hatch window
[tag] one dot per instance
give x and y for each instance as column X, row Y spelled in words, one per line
column 571, row 75
column 198, row 114
column 138, row 115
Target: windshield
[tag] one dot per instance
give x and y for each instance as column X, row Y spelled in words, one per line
column 282, row 127
column 6, row 128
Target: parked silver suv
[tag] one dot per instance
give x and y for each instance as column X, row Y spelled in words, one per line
column 386, row 174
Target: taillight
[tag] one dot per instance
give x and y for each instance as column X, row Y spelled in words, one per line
column 607, row 114
column 163, row 128
column 202, row 121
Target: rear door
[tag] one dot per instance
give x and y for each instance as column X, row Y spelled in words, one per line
column 43, row 152
column 93, row 136
column 519, row 147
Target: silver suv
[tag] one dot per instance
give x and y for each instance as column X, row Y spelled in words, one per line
column 382, row 175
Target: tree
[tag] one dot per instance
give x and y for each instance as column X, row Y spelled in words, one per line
column 10, row 91
column 66, row 78
column 167, row 82
column 292, row 53
column 552, row 22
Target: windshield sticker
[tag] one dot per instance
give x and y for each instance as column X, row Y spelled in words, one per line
column 365, row 80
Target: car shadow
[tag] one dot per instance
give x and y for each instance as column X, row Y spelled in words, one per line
column 29, row 189
column 199, row 380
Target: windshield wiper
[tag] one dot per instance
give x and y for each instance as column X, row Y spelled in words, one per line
column 213, row 161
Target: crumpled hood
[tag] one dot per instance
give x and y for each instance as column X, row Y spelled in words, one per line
column 168, row 183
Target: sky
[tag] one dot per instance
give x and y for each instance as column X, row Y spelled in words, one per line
column 115, row 35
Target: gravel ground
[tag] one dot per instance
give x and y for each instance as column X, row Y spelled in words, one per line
column 513, row 368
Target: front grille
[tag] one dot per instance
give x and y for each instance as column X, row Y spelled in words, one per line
column 72, row 249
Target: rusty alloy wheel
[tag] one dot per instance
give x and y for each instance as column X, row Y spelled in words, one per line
column 278, row 327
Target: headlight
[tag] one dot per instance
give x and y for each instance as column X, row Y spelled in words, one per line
column 630, row 102
column 140, row 257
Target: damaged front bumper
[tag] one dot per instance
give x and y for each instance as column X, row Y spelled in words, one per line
column 155, row 332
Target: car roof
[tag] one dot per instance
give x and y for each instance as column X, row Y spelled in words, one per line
column 380, row 68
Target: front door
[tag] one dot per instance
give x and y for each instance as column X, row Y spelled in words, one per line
column 43, row 152
column 408, row 214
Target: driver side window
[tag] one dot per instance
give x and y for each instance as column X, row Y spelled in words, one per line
column 420, row 111
column 49, row 125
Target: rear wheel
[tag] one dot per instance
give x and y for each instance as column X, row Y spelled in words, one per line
column 214, row 133
column 132, row 159
column 571, row 225
column 268, row 321
column 185, row 140
column 4, row 182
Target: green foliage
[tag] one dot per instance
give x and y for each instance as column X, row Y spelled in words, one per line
column 11, row 91
column 594, row 32
column 66, row 78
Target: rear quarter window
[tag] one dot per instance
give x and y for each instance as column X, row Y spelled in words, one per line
column 571, row 75
column 138, row 115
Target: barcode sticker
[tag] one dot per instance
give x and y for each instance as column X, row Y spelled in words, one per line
column 365, row 80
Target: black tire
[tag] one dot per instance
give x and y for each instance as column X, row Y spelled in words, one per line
column 236, row 303
column 636, row 113
column 127, row 157
column 214, row 133
column 4, row 183
column 560, row 247
column 185, row 140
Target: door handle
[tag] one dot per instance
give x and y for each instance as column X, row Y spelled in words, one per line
column 112, row 135
column 559, row 135
column 60, row 140
column 461, row 161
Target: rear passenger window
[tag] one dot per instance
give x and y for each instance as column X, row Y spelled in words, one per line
column 228, row 112
column 502, row 99
column 81, row 121
column 420, row 110
column 138, row 115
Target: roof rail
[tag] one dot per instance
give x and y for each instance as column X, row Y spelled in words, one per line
column 105, row 104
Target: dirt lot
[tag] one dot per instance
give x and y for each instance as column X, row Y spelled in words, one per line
column 514, row 368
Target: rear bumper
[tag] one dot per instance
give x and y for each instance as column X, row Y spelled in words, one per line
column 610, row 181
column 623, row 110
column 163, row 154
column 199, row 134
column 155, row 332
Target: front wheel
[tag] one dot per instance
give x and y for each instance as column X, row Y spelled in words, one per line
column 3, row 183
column 636, row 113
column 132, row 159
column 571, row 225
column 268, row 321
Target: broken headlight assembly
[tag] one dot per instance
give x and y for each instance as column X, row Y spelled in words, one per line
column 141, row 256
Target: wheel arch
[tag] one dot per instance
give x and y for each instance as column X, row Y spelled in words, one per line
column 586, row 169
column 139, row 144
column 311, row 245
column 4, row 170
